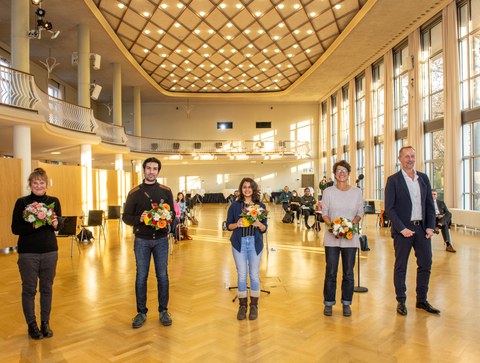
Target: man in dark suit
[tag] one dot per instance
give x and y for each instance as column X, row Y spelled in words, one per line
column 444, row 219
column 409, row 204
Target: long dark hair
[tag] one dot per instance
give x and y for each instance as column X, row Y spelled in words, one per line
column 183, row 199
column 256, row 191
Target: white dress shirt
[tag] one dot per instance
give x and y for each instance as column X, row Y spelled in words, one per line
column 415, row 195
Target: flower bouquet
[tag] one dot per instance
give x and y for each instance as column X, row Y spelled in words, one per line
column 159, row 216
column 343, row 228
column 251, row 213
column 39, row 214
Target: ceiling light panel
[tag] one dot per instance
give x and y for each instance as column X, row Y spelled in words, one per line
column 310, row 26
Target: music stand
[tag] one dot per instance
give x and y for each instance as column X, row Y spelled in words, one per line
column 69, row 229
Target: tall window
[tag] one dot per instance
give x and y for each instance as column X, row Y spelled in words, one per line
column 469, row 45
column 323, row 138
column 471, row 165
column 360, row 164
column 345, row 124
column 333, row 124
column 432, row 72
column 378, row 111
column 434, row 154
column 399, row 143
column 401, row 64
column 379, row 171
column 378, row 106
column 360, row 108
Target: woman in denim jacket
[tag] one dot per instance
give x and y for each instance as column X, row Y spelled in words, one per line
column 247, row 246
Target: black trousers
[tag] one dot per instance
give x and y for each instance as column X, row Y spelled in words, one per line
column 423, row 252
column 37, row 268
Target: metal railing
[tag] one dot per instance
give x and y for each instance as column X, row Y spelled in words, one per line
column 112, row 134
column 17, row 88
column 218, row 147
column 70, row 116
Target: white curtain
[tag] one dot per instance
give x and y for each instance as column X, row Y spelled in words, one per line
column 452, row 113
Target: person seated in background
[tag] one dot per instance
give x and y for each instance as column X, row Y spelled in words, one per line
column 318, row 214
column 308, row 206
column 285, row 198
column 443, row 219
column 232, row 197
column 295, row 204
column 180, row 201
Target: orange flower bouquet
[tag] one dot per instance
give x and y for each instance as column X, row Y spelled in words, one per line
column 343, row 228
column 159, row 216
column 251, row 213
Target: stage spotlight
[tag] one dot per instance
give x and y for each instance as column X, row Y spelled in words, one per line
column 33, row 34
column 40, row 12
column 47, row 25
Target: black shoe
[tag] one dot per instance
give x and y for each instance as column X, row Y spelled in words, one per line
column 436, row 230
column 46, row 331
column 427, row 307
column 34, row 332
column 401, row 309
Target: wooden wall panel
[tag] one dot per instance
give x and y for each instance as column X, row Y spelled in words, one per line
column 11, row 184
column 65, row 183
column 112, row 187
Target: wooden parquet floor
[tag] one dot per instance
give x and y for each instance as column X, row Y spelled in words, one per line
column 94, row 303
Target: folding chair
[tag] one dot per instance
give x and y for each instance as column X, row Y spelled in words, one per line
column 69, row 229
column 95, row 219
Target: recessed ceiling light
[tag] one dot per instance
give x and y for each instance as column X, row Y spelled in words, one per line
column 159, row 46
column 206, row 55
column 121, row 6
column 197, row 31
column 258, row 13
column 202, row 14
column 290, row 55
column 193, row 85
column 223, row 6
column 251, row 65
column 189, row 69
column 279, row 65
column 280, row 6
column 313, row 14
column 267, row 61
column 160, row 31
column 240, row 66
column 205, row 45
column 209, row 80
column 229, row 25
column 163, row 66
column 264, row 69
column 296, row 6
column 242, row 80
column 226, row 69
column 308, row 51
column 173, row 88
column 233, row 50
column 296, row 31
column 275, row 80
column 211, row 31
column 276, row 37
column 247, row 31
column 221, row 77
column 221, row 51
column 146, row 14
column 186, row 78
column 225, row 85
column 164, row 6
column 228, row 37
column 226, row 62
column 250, row 46
column 145, row 50
column 55, row 153
column 172, row 75
column 239, row 6
column 309, row 31
column 338, row 6
column 248, row 55
column 277, row 50
column 174, row 65
column 178, row 51
column 257, row 85
column 174, row 81
column 290, row 66
column 260, row 31
column 201, row 65
column 177, row 25
column 281, row 25
column 190, row 51
column 179, row 5
column 195, row 78
column 295, row 46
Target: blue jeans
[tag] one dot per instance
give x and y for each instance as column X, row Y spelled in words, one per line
column 144, row 249
column 247, row 257
column 332, row 255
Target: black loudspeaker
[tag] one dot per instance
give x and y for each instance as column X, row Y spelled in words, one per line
column 218, row 145
column 197, row 145
column 154, row 146
column 176, row 146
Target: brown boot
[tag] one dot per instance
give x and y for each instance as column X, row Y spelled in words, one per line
column 242, row 308
column 253, row 308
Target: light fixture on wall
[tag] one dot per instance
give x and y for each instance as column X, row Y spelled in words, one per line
column 50, row 63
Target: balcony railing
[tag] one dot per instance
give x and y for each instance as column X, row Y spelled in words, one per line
column 17, row 88
column 218, row 147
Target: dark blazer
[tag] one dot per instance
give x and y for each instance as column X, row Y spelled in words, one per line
column 398, row 204
column 233, row 216
column 446, row 220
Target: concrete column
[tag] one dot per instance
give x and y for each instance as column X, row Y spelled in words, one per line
column 137, row 112
column 87, row 184
column 83, row 71
column 118, row 161
column 19, row 35
column 117, row 94
column 22, row 150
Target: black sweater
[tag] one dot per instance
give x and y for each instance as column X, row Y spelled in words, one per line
column 34, row 240
column 138, row 202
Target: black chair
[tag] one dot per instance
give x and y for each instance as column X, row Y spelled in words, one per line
column 369, row 208
column 95, row 219
column 114, row 213
column 69, row 229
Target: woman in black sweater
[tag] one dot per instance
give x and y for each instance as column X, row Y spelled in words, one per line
column 37, row 250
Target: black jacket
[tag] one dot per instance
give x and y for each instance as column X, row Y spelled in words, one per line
column 140, row 199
